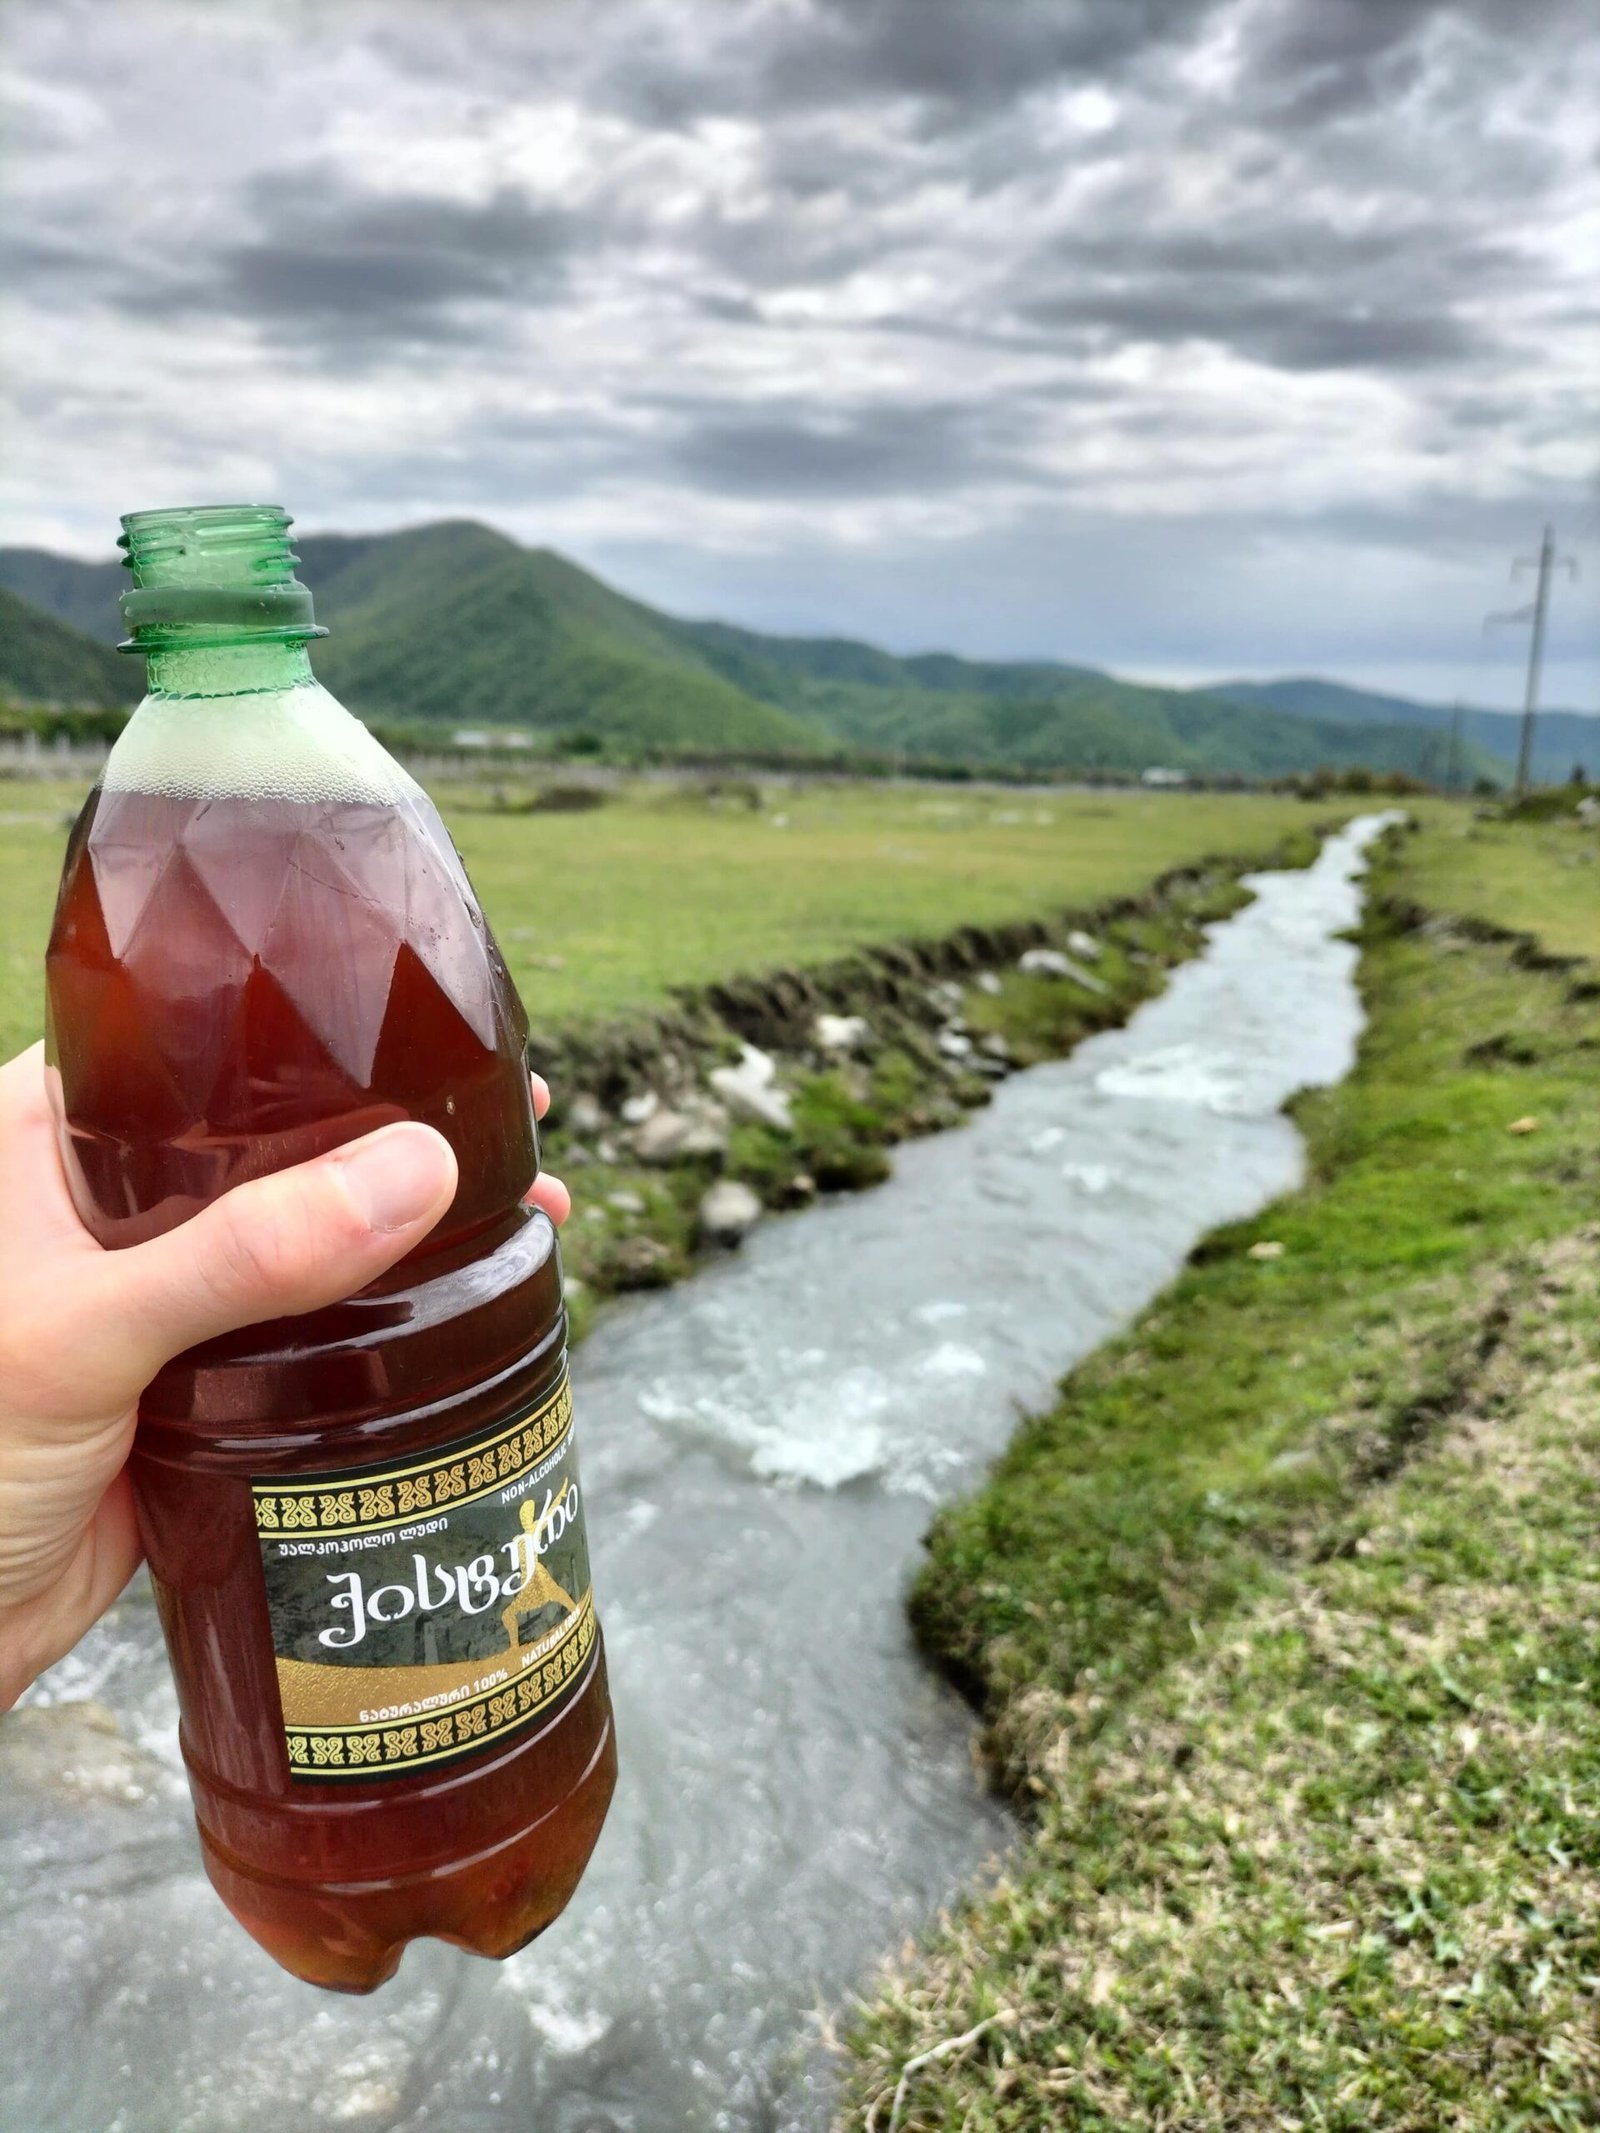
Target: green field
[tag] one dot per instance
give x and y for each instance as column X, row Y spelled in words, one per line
column 1285, row 1616
column 1537, row 877
column 670, row 886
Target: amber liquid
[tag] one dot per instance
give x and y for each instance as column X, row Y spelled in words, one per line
column 234, row 986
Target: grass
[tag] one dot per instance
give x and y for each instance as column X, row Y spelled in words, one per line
column 1540, row 877
column 1284, row 1616
column 601, row 915
column 669, row 888
column 34, row 818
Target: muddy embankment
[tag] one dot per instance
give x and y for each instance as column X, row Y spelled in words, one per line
column 678, row 1130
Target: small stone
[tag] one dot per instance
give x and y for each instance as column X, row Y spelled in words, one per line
column 659, row 1136
column 74, row 1751
column 607, row 1151
column 638, row 1108
column 639, row 1263
column 1523, row 1125
column 987, row 981
column 800, row 1190
column 840, row 1033
column 996, row 1044
column 625, row 1202
column 582, row 1114
column 955, row 1044
column 674, row 1136
column 1294, row 1462
column 728, row 1212
column 1051, row 963
column 703, row 1139
column 1085, row 945
column 1268, row 1248
column 576, row 1157
column 749, row 1090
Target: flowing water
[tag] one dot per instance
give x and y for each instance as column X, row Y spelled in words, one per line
column 762, row 1449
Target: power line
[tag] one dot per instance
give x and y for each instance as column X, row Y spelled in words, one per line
column 1547, row 563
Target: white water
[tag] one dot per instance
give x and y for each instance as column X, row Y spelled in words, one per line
column 761, row 1450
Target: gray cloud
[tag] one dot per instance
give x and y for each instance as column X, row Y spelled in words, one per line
column 1344, row 58
column 886, row 450
column 960, row 62
column 960, row 57
column 1291, row 329
column 351, row 267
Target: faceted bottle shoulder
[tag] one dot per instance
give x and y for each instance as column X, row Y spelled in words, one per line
column 293, row 742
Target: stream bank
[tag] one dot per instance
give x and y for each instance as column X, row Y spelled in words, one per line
column 798, row 1082
column 1282, row 1616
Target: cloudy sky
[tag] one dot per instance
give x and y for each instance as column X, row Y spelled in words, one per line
column 1188, row 337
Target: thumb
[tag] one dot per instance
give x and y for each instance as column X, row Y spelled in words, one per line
column 280, row 1245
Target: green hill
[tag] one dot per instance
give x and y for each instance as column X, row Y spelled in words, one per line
column 43, row 661
column 83, row 595
column 1561, row 738
column 1039, row 715
column 456, row 624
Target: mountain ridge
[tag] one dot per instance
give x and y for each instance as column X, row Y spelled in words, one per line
column 455, row 621
column 44, row 660
column 1562, row 739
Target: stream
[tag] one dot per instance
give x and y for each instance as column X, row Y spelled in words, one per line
column 762, row 1449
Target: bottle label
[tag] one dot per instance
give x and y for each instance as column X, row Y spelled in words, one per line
column 423, row 1610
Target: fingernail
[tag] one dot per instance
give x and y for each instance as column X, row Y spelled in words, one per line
column 399, row 1175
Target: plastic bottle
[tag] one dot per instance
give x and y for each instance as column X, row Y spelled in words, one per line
column 364, row 1526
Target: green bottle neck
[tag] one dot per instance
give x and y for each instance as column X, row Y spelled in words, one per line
column 214, row 605
column 238, row 669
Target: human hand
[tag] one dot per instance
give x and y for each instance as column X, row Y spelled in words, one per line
column 83, row 1330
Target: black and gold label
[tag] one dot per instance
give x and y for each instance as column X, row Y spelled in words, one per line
column 421, row 1611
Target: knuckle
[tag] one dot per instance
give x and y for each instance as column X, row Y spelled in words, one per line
column 249, row 1253
column 278, row 1242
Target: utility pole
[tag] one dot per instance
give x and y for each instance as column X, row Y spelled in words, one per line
column 1547, row 563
